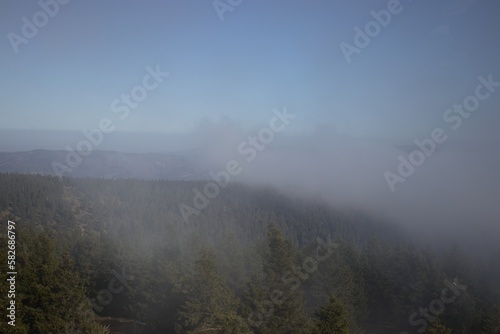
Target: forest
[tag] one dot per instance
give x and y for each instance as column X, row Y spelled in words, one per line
column 89, row 251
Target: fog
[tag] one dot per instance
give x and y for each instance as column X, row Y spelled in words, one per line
column 451, row 196
column 360, row 98
column 383, row 112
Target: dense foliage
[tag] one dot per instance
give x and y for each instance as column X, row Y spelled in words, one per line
column 252, row 261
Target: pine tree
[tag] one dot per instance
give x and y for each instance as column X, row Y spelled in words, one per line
column 332, row 318
column 211, row 306
column 50, row 298
column 278, row 296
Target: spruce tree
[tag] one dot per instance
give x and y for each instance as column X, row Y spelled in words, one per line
column 278, row 296
column 211, row 306
column 332, row 318
column 50, row 297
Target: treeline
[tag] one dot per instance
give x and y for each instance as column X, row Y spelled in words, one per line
column 252, row 261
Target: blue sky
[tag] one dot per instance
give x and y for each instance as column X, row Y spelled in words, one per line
column 264, row 54
column 225, row 78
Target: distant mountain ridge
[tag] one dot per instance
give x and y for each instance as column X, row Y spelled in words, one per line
column 106, row 164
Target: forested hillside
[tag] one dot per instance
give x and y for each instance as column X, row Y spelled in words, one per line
column 252, row 261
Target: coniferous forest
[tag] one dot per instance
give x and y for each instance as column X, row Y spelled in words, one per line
column 116, row 256
column 250, row 167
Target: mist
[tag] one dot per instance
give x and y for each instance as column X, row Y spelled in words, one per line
column 372, row 122
column 451, row 197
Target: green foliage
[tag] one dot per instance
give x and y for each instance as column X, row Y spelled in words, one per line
column 211, row 306
column 74, row 233
column 97, row 329
column 438, row 328
column 486, row 323
column 155, row 296
column 49, row 297
column 279, row 289
column 331, row 318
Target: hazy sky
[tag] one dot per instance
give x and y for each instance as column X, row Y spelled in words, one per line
column 264, row 54
column 353, row 114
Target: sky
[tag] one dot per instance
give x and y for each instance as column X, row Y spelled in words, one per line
column 243, row 62
column 362, row 88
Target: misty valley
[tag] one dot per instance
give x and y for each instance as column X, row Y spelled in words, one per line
column 250, row 167
column 116, row 256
